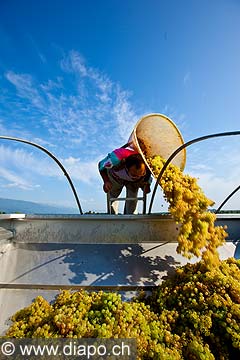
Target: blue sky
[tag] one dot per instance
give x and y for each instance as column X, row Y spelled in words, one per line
column 75, row 76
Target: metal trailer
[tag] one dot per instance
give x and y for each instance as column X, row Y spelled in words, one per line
column 40, row 255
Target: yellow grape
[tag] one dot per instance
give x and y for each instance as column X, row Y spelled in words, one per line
column 189, row 206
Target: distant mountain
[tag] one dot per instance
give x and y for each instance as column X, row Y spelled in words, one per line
column 10, row 206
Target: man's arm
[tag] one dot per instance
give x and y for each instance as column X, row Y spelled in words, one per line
column 146, row 188
column 107, row 185
column 107, row 163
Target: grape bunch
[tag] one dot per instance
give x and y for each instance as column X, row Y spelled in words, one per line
column 95, row 315
column 188, row 205
column 194, row 315
column 202, row 306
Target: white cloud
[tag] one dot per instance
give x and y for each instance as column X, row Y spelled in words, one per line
column 83, row 117
column 52, row 84
column 27, row 162
column 32, row 164
column 26, row 89
column 215, row 163
column 124, row 113
column 43, row 142
column 217, row 188
column 187, row 78
column 15, row 131
column 35, row 46
column 16, row 181
column 202, row 167
column 42, row 57
column 74, row 62
column 84, row 171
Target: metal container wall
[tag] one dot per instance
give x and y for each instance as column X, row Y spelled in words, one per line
column 40, row 255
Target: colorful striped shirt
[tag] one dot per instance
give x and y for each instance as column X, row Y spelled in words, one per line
column 113, row 159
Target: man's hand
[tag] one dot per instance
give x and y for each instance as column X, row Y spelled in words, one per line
column 146, row 189
column 107, row 186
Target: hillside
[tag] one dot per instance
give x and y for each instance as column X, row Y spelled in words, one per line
column 9, row 206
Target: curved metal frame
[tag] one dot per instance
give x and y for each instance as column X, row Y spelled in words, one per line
column 201, row 138
column 227, row 198
column 55, row 159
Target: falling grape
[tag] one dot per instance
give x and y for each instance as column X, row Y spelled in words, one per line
column 198, row 235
